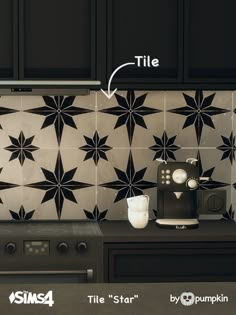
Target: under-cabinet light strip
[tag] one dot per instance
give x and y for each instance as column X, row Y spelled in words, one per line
column 32, row 82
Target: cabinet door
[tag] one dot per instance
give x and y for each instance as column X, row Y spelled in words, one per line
column 210, row 41
column 8, row 39
column 141, row 28
column 170, row 262
column 57, row 39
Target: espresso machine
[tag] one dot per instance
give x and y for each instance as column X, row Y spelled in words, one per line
column 178, row 183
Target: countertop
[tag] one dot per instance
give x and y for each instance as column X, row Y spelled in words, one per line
column 120, row 231
column 211, row 231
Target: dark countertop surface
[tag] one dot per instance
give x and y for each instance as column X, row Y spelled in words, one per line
column 120, row 231
column 212, row 231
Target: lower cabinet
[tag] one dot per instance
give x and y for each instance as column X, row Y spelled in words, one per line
column 170, row 262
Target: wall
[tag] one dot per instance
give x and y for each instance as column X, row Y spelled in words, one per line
column 79, row 158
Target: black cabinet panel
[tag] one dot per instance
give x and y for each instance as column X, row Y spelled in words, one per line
column 210, row 41
column 8, row 40
column 168, row 262
column 57, row 39
column 141, row 28
column 194, row 41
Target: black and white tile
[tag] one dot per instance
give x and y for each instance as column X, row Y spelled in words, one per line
column 58, row 179
column 59, row 121
column 233, row 168
column 131, row 117
column 199, row 117
column 128, row 173
column 81, row 157
column 164, row 147
column 95, row 147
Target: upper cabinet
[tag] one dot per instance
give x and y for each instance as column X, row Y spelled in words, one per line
column 210, row 41
column 144, row 28
column 8, row 39
column 48, row 40
column 57, row 39
column 192, row 40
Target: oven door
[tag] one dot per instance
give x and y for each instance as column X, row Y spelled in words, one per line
column 47, row 276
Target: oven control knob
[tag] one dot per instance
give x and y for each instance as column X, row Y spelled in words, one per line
column 192, row 184
column 10, row 248
column 179, row 176
column 63, row 247
column 81, row 247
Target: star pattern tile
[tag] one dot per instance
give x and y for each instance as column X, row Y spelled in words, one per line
column 96, row 215
column 129, row 183
column 59, row 111
column 6, row 111
column 21, row 148
column 164, row 147
column 59, row 185
column 96, row 148
column 130, row 112
column 228, row 147
column 229, row 215
column 211, row 183
column 5, row 185
column 22, row 215
column 199, row 112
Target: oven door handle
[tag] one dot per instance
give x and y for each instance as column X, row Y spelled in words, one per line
column 87, row 272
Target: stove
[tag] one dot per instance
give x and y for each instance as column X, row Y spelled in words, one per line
column 46, row 251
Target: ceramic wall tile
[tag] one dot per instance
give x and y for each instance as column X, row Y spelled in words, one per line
column 11, row 199
column 176, row 114
column 11, row 122
column 132, row 118
column 128, row 173
column 200, row 118
column 211, row 164
column 57, row 180
column 232, row 209
column 34, row 110
column 10, row 168
column 65, row 119
column 80, row 157
column 220, row 114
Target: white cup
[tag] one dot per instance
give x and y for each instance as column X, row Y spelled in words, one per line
column 138, row 219
column 138, row 203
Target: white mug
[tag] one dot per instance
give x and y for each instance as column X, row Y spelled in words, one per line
column 138, row 203
column 138, row 219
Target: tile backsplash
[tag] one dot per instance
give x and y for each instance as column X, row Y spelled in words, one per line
column 80, row 157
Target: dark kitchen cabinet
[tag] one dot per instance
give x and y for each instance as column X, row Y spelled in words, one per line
column 153, row 254
column 210, row 45
column 8, row 39
column 57, row 39
column 194, row 41
column 141, row 28
column 170, row 262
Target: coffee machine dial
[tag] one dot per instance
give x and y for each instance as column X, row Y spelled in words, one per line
column 179, row 176
column 192, row 183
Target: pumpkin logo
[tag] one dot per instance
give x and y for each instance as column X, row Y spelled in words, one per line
column 187, row 298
